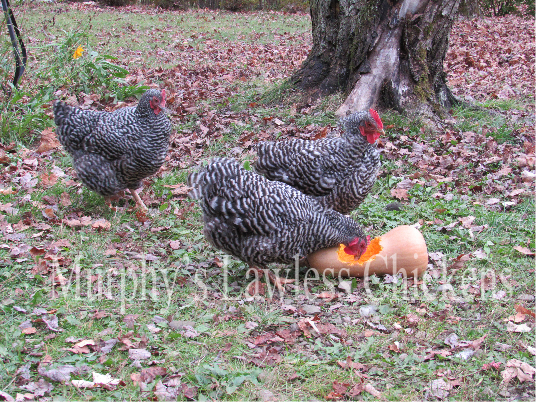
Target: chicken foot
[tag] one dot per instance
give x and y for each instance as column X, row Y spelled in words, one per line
column 108, row 201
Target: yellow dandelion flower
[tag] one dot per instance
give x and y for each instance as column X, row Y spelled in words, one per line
column 78, row 52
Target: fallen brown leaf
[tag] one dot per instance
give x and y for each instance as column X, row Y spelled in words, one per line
column 368, row 333
column 518, row 317
column 349, row 364
column 175, row 244
column 517, row 369
column 400, row 193
column 371, row 390
column 101, row 224
column 100, row 314
column 305, row 324
column 136, row 378
column 7, row 191
column 48, row 213
column 270, row 357
column 48, row 180
column 188, row 392
column 328, row 296
column 65, row 199
column 141, row 216
column 478, row 342
column 516, row 192
column 356, row 390
column 459, row 263
column 49, row 140
column 334, row 396
column 328, row 328
column 530, row 349
column 35, row 251
column 467, row 221
column 511, row 327
column 394, row 347
column 149, row 374
column 266, row 338
column 78, row 350
column 523, row 310
column 179, row 189
column 524, row 250
column 492, row 365
column 340, row 388
column 256, row 288
column 287, row 335
column 29, row 331
column 4, row 158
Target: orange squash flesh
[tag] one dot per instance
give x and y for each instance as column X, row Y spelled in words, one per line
column 373, row 249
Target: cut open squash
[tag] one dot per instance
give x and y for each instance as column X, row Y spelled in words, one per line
column 401, row 250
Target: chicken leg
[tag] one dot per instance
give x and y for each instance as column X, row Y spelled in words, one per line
column 139, row 202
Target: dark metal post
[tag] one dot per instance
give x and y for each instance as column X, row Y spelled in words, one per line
column 16, row 41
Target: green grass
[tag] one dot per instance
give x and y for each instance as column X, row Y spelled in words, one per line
column 163, row 31
column 314, row 360
column 145, row 276
column 113, row 42
column 493, row 119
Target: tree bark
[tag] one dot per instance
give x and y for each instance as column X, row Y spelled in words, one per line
column 381, row 53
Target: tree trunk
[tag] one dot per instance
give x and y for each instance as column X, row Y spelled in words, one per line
column 382, row 53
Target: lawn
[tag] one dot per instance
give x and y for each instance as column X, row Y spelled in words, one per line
column 88, row 292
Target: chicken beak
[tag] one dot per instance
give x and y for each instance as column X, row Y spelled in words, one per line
column 165, row 109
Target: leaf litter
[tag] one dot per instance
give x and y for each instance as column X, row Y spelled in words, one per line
column 189, row 86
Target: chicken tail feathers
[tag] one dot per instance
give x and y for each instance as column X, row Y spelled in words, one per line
column 61, row 112
column 207, row 183
column 74, row 124
column 223, row 189
column 66, row 131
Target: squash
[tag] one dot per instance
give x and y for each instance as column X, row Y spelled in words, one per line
column 402, row 249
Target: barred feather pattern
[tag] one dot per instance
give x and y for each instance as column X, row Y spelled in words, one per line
column 338, row 171
column 261, row 221
column 352, row 189
column 114, row 151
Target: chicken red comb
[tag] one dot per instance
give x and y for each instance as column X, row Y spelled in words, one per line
column 164, row 97
column 376, row 117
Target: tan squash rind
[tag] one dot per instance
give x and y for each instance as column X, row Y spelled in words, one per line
column 403, row 250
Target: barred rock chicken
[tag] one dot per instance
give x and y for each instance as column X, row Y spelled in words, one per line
column 261, row 221
column 338, row 171
column 115, row 151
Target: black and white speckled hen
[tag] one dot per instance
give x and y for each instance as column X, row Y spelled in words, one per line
column 115, row 151
column 338, row 171
column 261, row 221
